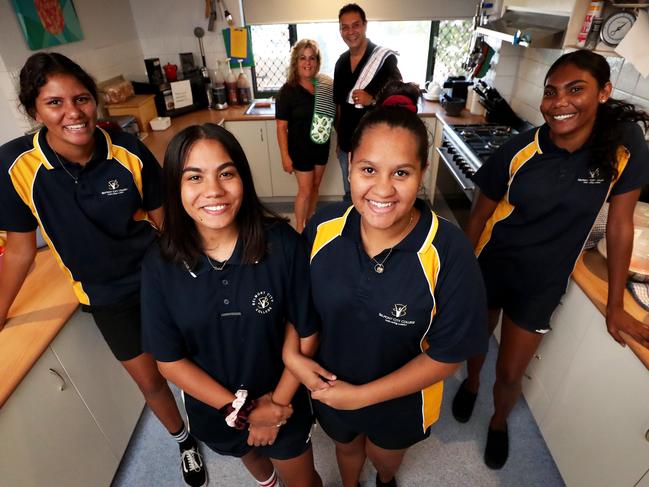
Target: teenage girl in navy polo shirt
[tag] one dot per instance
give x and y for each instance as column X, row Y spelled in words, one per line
column 95, row 196
column 218, row 292
column 539, row 196
column 399, row 295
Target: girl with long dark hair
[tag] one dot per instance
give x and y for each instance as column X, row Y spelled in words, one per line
column 219, row 290
column 539, row 196
column 96, row 197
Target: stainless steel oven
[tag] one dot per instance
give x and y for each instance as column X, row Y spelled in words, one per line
column 463, row 150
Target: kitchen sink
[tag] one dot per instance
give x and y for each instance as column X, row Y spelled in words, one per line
column 261, row 107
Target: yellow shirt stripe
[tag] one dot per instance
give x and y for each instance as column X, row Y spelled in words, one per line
column 431, row 396
column 329, row 231
column 505, row 208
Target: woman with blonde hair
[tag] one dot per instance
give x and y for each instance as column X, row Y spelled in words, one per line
column 305, row 113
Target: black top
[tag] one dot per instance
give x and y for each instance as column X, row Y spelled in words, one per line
column 548, row 201
column 230, row 322
column 99, row 228
column 295, row 105
column 430, row 297
column 344, row 80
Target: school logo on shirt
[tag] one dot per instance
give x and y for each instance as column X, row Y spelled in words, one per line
column 397, row 312
column 262, row 301
column 594, row 177
column 113, row 188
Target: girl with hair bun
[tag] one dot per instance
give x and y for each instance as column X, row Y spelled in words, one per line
column 399, row 295
column 539, row 196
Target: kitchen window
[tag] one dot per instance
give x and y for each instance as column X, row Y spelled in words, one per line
column 427, row 49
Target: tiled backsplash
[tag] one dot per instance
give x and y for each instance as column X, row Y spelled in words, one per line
column 530, row 66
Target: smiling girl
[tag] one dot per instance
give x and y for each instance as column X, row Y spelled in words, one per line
column 296, row 104
column 539, row 196
column 399, row 295
column 218, row 293
column 96, row 197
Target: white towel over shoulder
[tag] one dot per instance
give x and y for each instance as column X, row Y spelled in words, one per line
column 373, row 64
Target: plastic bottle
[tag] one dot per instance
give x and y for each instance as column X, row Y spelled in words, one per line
column 231, row 85
column 244, row 90
column 219, row 92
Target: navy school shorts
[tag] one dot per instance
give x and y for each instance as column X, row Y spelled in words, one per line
column 121, row 326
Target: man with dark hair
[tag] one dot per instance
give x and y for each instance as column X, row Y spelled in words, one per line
column 359, row 75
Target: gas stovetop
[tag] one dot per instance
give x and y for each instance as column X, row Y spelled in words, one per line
column 465, row 148
column 483, row 140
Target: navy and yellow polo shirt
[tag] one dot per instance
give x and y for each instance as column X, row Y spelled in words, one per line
column 548, row 199
column 97, row 227
column 430, row 299
column 231, row 323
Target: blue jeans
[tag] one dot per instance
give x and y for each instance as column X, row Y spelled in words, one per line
column 343, row 159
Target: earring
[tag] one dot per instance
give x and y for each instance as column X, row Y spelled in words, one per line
column 603, row 100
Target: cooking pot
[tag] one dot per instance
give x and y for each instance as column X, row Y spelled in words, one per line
column 639, row 265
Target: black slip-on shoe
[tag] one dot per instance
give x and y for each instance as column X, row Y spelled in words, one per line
column 497, row 450
column 390, row 483
column 463, row 403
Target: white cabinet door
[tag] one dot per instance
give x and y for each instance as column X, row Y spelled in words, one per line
column 555, row 355
column 284, row 184
column 435, row 139
column 596, row 424
column 109, row 392
column 253, row 138
column 48, row 435
column 644, row 481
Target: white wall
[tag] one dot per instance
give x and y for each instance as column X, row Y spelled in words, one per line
column 166, row 28
column 110, row 47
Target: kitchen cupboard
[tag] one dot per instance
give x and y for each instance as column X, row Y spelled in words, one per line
column 253, row 137
column 285, row 184
column 259, row 142
column 70, row 419
column 435, row 140
column 590, row 398
column 644, row 482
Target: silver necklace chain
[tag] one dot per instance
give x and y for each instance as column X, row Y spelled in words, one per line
column 216, row 267
column 379, row 267
column 76, row 180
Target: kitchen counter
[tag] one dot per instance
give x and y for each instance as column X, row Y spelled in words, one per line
column 42, row 307
column 157, row 141
column 590, row 274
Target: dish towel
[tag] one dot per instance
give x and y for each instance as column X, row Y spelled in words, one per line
column 373, row 64
column 324, row 110
column 640, row 292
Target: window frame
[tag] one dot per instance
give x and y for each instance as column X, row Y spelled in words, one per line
column 292, row 36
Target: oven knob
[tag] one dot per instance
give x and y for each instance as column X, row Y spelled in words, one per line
column 451, row 150
column 458, row 158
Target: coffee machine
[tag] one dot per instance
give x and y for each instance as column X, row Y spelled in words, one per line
column 456, row 89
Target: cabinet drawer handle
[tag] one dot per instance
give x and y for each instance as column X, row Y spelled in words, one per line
column 527, row 376
column 537, row 356
column 62, row 383
column 646, row 435
column 261, row 134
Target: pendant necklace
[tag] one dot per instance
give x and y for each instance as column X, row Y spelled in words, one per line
column 216, row 267
column 76, row 180
column 379, row 267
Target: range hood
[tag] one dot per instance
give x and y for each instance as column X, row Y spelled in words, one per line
column 528, row 29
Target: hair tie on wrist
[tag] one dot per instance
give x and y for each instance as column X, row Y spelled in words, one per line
column 236, row 414
column 400, row 101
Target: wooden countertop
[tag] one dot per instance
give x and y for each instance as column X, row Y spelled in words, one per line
column 157, row 141
column 42, row 307
column 590, row 274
